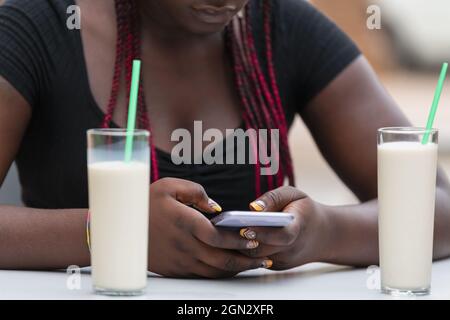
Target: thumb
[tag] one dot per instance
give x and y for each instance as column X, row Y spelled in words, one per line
column 277, row 199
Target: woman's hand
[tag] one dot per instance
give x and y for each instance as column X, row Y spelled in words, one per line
column 304, row 240
column 183, row 243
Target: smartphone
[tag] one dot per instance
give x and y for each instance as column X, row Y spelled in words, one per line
column 241, row 219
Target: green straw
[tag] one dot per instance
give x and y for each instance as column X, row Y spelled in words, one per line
column 437, row 96
column 134, row 91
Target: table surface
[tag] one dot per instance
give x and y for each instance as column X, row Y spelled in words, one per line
column 313, row 281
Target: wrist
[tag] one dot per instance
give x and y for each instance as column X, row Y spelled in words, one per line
column 328, row 233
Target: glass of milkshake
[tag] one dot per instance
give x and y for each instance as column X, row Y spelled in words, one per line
column 119, row 210
column 406, row 195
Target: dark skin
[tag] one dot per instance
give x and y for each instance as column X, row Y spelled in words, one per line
column 184, row 55
column 180, row 57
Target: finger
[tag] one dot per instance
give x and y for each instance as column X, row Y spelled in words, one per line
column 230, row 261
column 247, row 234
column 262, row 251
column 277, row 199
column 281, row 262
column 284, row 236
column 203, row 230
column 280, row 237
column 203, row 270
column 191, row 193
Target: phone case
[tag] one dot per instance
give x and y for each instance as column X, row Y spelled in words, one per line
column 240, row 219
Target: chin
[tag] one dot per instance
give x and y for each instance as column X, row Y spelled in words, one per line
column 204, row 29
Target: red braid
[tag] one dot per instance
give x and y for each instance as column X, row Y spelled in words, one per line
column 275, row 108
column 268, row 96
column 279, row 107
column 260, row 86
column 250, row 122
column 135, row 49
column 127, row 49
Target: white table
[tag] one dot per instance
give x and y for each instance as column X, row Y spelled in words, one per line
column 313, row 281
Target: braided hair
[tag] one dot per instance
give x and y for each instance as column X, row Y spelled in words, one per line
column 259, row 94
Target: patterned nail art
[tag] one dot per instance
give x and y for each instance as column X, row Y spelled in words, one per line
column 252, row 244
column 267, row 264
column 214, row 205
column 247, row 234
column 258, row 205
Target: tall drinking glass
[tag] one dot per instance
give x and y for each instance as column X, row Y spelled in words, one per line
column 119, row 210
column 406, row 196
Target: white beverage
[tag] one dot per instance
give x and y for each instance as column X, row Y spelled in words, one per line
column 406, row 195
column 119, row 205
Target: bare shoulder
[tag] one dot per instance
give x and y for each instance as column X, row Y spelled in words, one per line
column 355, row 92
column 8, row 94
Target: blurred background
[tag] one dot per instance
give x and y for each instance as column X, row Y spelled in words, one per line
column 406, row 52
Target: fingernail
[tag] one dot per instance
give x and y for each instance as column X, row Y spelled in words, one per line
column 247, row 234
column 252, row 244
column 267, row 264
column 258, row 205
column 214, row 205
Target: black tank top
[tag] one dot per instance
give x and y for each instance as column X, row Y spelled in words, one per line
column 44, row 61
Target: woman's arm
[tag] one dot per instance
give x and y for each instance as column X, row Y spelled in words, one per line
column 32, row 238
column 183, row 243
column 354, row 239
column 42, row 239
column 343, row 120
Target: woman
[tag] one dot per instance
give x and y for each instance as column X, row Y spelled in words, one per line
column 202, row 60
